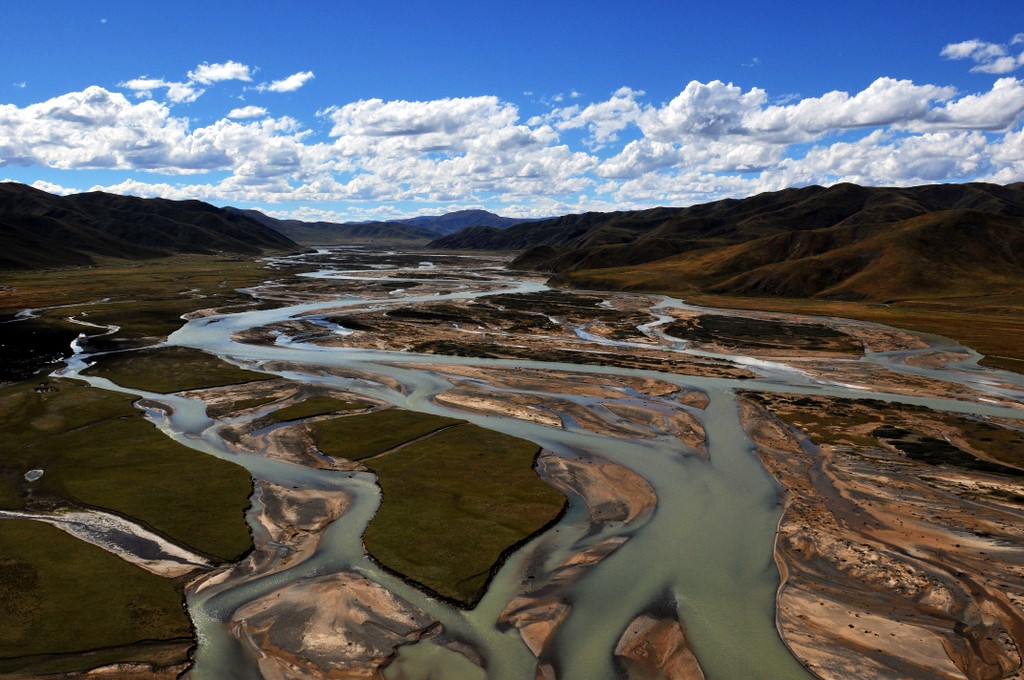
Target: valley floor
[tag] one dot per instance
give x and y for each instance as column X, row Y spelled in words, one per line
column 600, row 508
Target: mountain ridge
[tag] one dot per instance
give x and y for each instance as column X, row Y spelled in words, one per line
column 410, row 231
column 840, row 242
column 43, row 230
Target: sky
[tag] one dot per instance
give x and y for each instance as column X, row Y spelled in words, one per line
column 373, row 110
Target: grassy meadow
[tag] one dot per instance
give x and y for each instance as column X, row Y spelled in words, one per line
column 453, row 503
column 145, row 299
column 455, row 496
column 991, row 323
column 72, row 605
column 993, row 327
column 62, row 596
column 170, row 369
column 363, row 436
column 315, row 406
column 96, row 449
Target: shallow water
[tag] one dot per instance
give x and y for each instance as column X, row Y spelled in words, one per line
column 706, row 552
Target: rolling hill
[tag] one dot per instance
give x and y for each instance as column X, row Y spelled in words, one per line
column 42, row 230
column 844, row 242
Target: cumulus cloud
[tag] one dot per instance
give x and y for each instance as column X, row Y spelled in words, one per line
column 52, row 188
column 434, row 126
column 96, row 128
column 604, row 120
column 177, row 93
column 988, row 57
column 886, row 101
column 890, row 159
column 212, row 73
column 710, row 141
column 185, row 92
column 452, row 149
column 717, row 110
column 248, row 112
column 711, row 110
column 998, row 109
column 289, row 84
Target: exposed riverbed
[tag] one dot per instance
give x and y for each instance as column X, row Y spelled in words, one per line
column 698, row 571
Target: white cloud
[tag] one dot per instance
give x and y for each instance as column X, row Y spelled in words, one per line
column 247, row 112
column 452, row 149
column 144, row 85
column 707, row 110
column 641, row 157
column 212, row 73
column 886, row 101
column 92, row 128
column 21, row 85
column 710, row 141
column 401, row 127
column 52, row 188
column 998, row 109
column 289, row 84
column 185, row 92
column 100, row 129
column 716, row 110
column 988, row 57
column 882, row 158
column 972, row 49
column 178, row 93
column 604, row 120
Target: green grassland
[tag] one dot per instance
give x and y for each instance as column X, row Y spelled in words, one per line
column 455, row 496
column 991, row 323
column 146, row 299
column 98, row 450
column 993, row 326
column 170, row 369
column 315, row 406
column 61, row 595
column 362, row 436
column 453, row 502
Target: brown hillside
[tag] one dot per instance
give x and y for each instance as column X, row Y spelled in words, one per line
column 942, row 254
column 39, row 230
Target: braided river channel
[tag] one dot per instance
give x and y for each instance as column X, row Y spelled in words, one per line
column 704, row 553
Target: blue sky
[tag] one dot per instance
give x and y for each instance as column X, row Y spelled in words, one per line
column 342, row 110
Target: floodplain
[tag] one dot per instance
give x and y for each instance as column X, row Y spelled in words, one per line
column 597, row 484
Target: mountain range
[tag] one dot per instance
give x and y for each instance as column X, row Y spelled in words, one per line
column 844, row 242
column 410, row 231
column 42, row 230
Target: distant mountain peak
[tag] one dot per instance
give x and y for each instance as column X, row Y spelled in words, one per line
column 411, row 230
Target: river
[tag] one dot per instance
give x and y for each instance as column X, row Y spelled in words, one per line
column 706, row 552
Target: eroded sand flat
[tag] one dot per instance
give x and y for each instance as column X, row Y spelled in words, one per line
column 893, row 566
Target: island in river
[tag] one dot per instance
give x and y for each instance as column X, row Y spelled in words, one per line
column 707, row 493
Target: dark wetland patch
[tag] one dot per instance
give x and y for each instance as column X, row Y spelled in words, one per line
column 30, row 346
column 738, row 332
column 933, row 451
